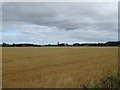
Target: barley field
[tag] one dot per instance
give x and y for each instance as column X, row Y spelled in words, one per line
column 56, row 67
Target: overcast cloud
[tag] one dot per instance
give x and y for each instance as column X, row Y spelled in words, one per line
column 59, row 22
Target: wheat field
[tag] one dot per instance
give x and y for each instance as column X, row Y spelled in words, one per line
column 56, row 67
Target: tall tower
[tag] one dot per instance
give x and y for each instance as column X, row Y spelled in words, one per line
column 58, row 44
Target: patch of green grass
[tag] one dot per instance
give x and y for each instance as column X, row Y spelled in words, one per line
column 108, row 81
column 112, row 81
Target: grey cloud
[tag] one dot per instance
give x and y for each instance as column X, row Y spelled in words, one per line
column 65, row 22
column 67, row 16
column 53, row 36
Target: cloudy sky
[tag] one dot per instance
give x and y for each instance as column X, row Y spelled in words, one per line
column 52, row 22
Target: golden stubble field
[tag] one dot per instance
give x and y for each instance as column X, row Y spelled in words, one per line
column 56, row 67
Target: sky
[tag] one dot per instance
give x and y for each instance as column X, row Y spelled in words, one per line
column 64, row 22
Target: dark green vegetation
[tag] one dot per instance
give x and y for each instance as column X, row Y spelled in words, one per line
column 108, row 81
column 110, row 43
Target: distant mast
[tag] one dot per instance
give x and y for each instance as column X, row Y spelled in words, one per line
column 58, row 44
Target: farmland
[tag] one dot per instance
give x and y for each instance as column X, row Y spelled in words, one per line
column 56, row 67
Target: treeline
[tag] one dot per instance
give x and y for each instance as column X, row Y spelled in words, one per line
column 110, row 43
column 19, row 45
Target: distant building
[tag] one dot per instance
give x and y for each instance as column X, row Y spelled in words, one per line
column 86, row 45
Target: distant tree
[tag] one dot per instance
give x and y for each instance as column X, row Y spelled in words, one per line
column 4, row 44
column 13, row 44
column 67, row 44
column 112, row 43
column 62, row 44
column 76, row 44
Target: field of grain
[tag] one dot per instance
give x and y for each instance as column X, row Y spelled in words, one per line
column 56, row 67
